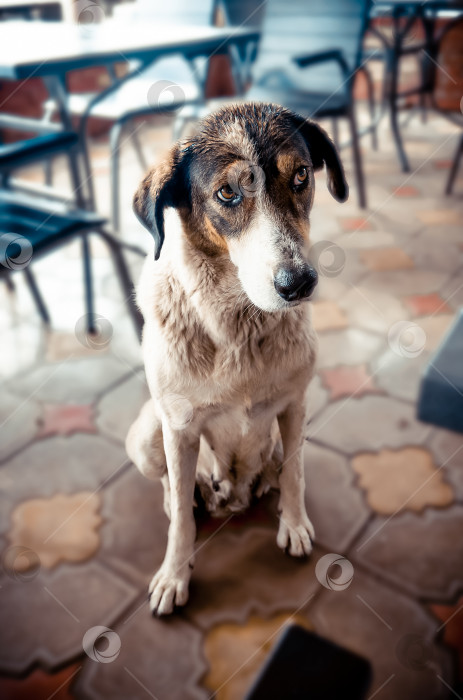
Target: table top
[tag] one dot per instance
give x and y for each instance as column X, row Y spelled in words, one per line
column 38, row 49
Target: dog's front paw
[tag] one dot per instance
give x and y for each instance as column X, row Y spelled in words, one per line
column 167, row 589
column 296, row 537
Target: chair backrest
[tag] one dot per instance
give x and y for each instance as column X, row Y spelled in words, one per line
column 297, row 27
column 243, row 13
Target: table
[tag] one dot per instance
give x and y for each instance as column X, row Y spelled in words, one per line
column 411, row 11
column 49, row 50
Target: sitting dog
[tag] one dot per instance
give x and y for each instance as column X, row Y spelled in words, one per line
column 228, row 345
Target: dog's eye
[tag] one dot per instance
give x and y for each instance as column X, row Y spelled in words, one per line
column 300, row 177
column 226, row 194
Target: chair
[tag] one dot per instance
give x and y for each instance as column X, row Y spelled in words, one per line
column 176, row 82
column 308, row 58
column 31, row 227
column 249, row 14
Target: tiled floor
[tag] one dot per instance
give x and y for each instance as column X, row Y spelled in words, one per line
column 81, row 531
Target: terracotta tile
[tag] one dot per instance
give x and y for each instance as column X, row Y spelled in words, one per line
column 334, row 504
column 236, row 653
column 382, row 625
column 451, row 617
column 406, row 191
column 66, row 419
column 401, row 479
column 389, row 546
column 58, row 465
column 360, row 223
column 44, row 618
column 367, row 424
column 386, row 259
column 78, row 381
column 18, row 422
column 424, row 304
column 159, row 658
column 118, row 409
column 443, row 164
column 434, row 217
column 237, row 574
column 347, row 347
column 40, row 685
column 61, row 528
column 447, row 448
column 326, row 315
column 348, row 380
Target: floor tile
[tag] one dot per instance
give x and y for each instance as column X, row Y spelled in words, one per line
column 40, row 685
column 400, row 376
column 239, row 574
column 447, row 448
column 372, row 310
column 439, row 216
column 119, row 407
column 58, row 465
column 18, row 422
column 367, row 424
column 384, row 626
column 451, row 617
column 389, row 548
column 326, row 315
column 334, row 504
column 406, row 191
column 405, row 282
column 79, row 381
column 44, row 618
column 361, row 223
column 401, row 479
column 347, row 381
column 347, row 347
column 158, row 658
column 57, row 529
column 386, row 259
column 435, row 328
column 317, row 397
column 66, row 419
column 425, row 304
column 236, row 653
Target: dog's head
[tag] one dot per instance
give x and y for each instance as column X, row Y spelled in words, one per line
column 244, row 187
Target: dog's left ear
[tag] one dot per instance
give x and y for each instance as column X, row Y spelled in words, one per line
column 323, row 152
column 164, row 186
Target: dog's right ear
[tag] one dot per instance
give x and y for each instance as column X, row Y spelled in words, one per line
column 165, row 186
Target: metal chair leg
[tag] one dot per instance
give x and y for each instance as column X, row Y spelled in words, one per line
column 371, row 106
column 115, row 137
column 357, row 159
column 48, row 170
column 34, row 290
column 10, row 285
column 454, row 168
column 335, row 130
column 138, row 149
column 88, row 284
column 125, row 280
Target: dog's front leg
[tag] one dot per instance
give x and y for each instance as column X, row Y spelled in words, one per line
column 169, row 586
column 295, row 532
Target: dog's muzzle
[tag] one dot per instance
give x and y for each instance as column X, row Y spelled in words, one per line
column 293, row 284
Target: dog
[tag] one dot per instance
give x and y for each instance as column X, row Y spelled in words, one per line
column 228, row 345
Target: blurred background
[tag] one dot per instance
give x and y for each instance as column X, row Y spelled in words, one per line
column 91, row 94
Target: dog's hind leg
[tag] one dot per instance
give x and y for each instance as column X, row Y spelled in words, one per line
column 145, row 447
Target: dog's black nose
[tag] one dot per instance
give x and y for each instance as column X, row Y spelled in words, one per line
column 292, row 284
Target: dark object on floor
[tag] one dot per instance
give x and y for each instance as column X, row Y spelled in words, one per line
column 303, row 666
column 441, row 392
